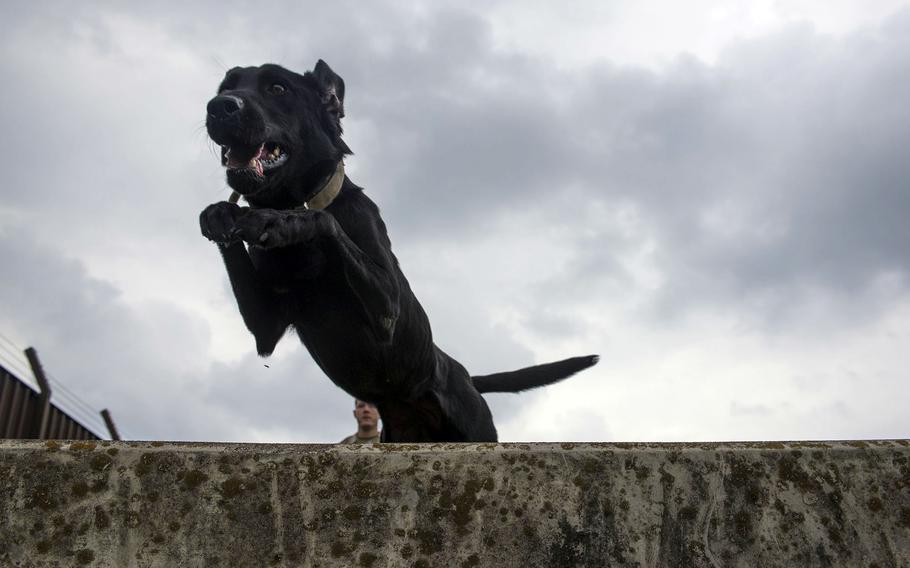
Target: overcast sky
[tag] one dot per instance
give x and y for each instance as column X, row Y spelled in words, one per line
column 714, row 197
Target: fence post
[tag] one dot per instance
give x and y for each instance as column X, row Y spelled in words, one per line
column 44, row 405
column 109, row 422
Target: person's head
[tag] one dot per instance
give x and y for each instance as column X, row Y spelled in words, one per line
column 366, row 415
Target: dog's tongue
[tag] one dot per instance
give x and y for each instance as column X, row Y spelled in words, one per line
column 237, row 158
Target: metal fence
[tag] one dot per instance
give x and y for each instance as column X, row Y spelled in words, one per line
column 21, row 414
column 29, row 413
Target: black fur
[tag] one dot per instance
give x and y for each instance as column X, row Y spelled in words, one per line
column 330, row 274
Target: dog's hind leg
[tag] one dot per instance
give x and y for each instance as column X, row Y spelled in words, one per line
column 465, row 414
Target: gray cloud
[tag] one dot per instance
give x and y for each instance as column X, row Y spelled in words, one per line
column 758, row 180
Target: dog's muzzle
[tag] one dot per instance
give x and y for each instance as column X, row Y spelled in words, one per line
column 239, row 132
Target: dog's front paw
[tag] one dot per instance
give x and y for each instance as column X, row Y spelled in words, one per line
column 218, row 222
column 270, row 228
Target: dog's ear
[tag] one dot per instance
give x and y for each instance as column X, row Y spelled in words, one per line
column 332, row 88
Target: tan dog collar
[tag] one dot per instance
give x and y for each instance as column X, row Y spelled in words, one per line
column 327, row 193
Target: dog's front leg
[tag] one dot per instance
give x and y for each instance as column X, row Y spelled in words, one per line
column 257, row 303
column 372, row 274
column 368, row 266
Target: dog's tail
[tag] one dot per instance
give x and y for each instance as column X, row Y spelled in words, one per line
column 532, row 377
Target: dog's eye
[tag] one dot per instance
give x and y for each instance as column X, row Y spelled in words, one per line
column 276, row 89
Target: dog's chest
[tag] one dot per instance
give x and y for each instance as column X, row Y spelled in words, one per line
column 282, row 268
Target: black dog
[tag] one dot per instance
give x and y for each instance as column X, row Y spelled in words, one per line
column 317, row 258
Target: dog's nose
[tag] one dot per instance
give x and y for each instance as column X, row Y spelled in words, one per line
column 224, row 106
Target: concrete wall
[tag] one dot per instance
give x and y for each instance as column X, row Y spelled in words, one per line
column 739, row 504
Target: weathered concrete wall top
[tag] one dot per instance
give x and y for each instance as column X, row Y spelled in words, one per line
column 739, row 504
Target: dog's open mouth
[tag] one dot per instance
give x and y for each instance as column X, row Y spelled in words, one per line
column 254, row 159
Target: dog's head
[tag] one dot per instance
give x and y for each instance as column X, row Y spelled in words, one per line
column 279, row 132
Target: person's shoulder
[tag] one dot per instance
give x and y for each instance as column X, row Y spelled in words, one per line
column 352, row 439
